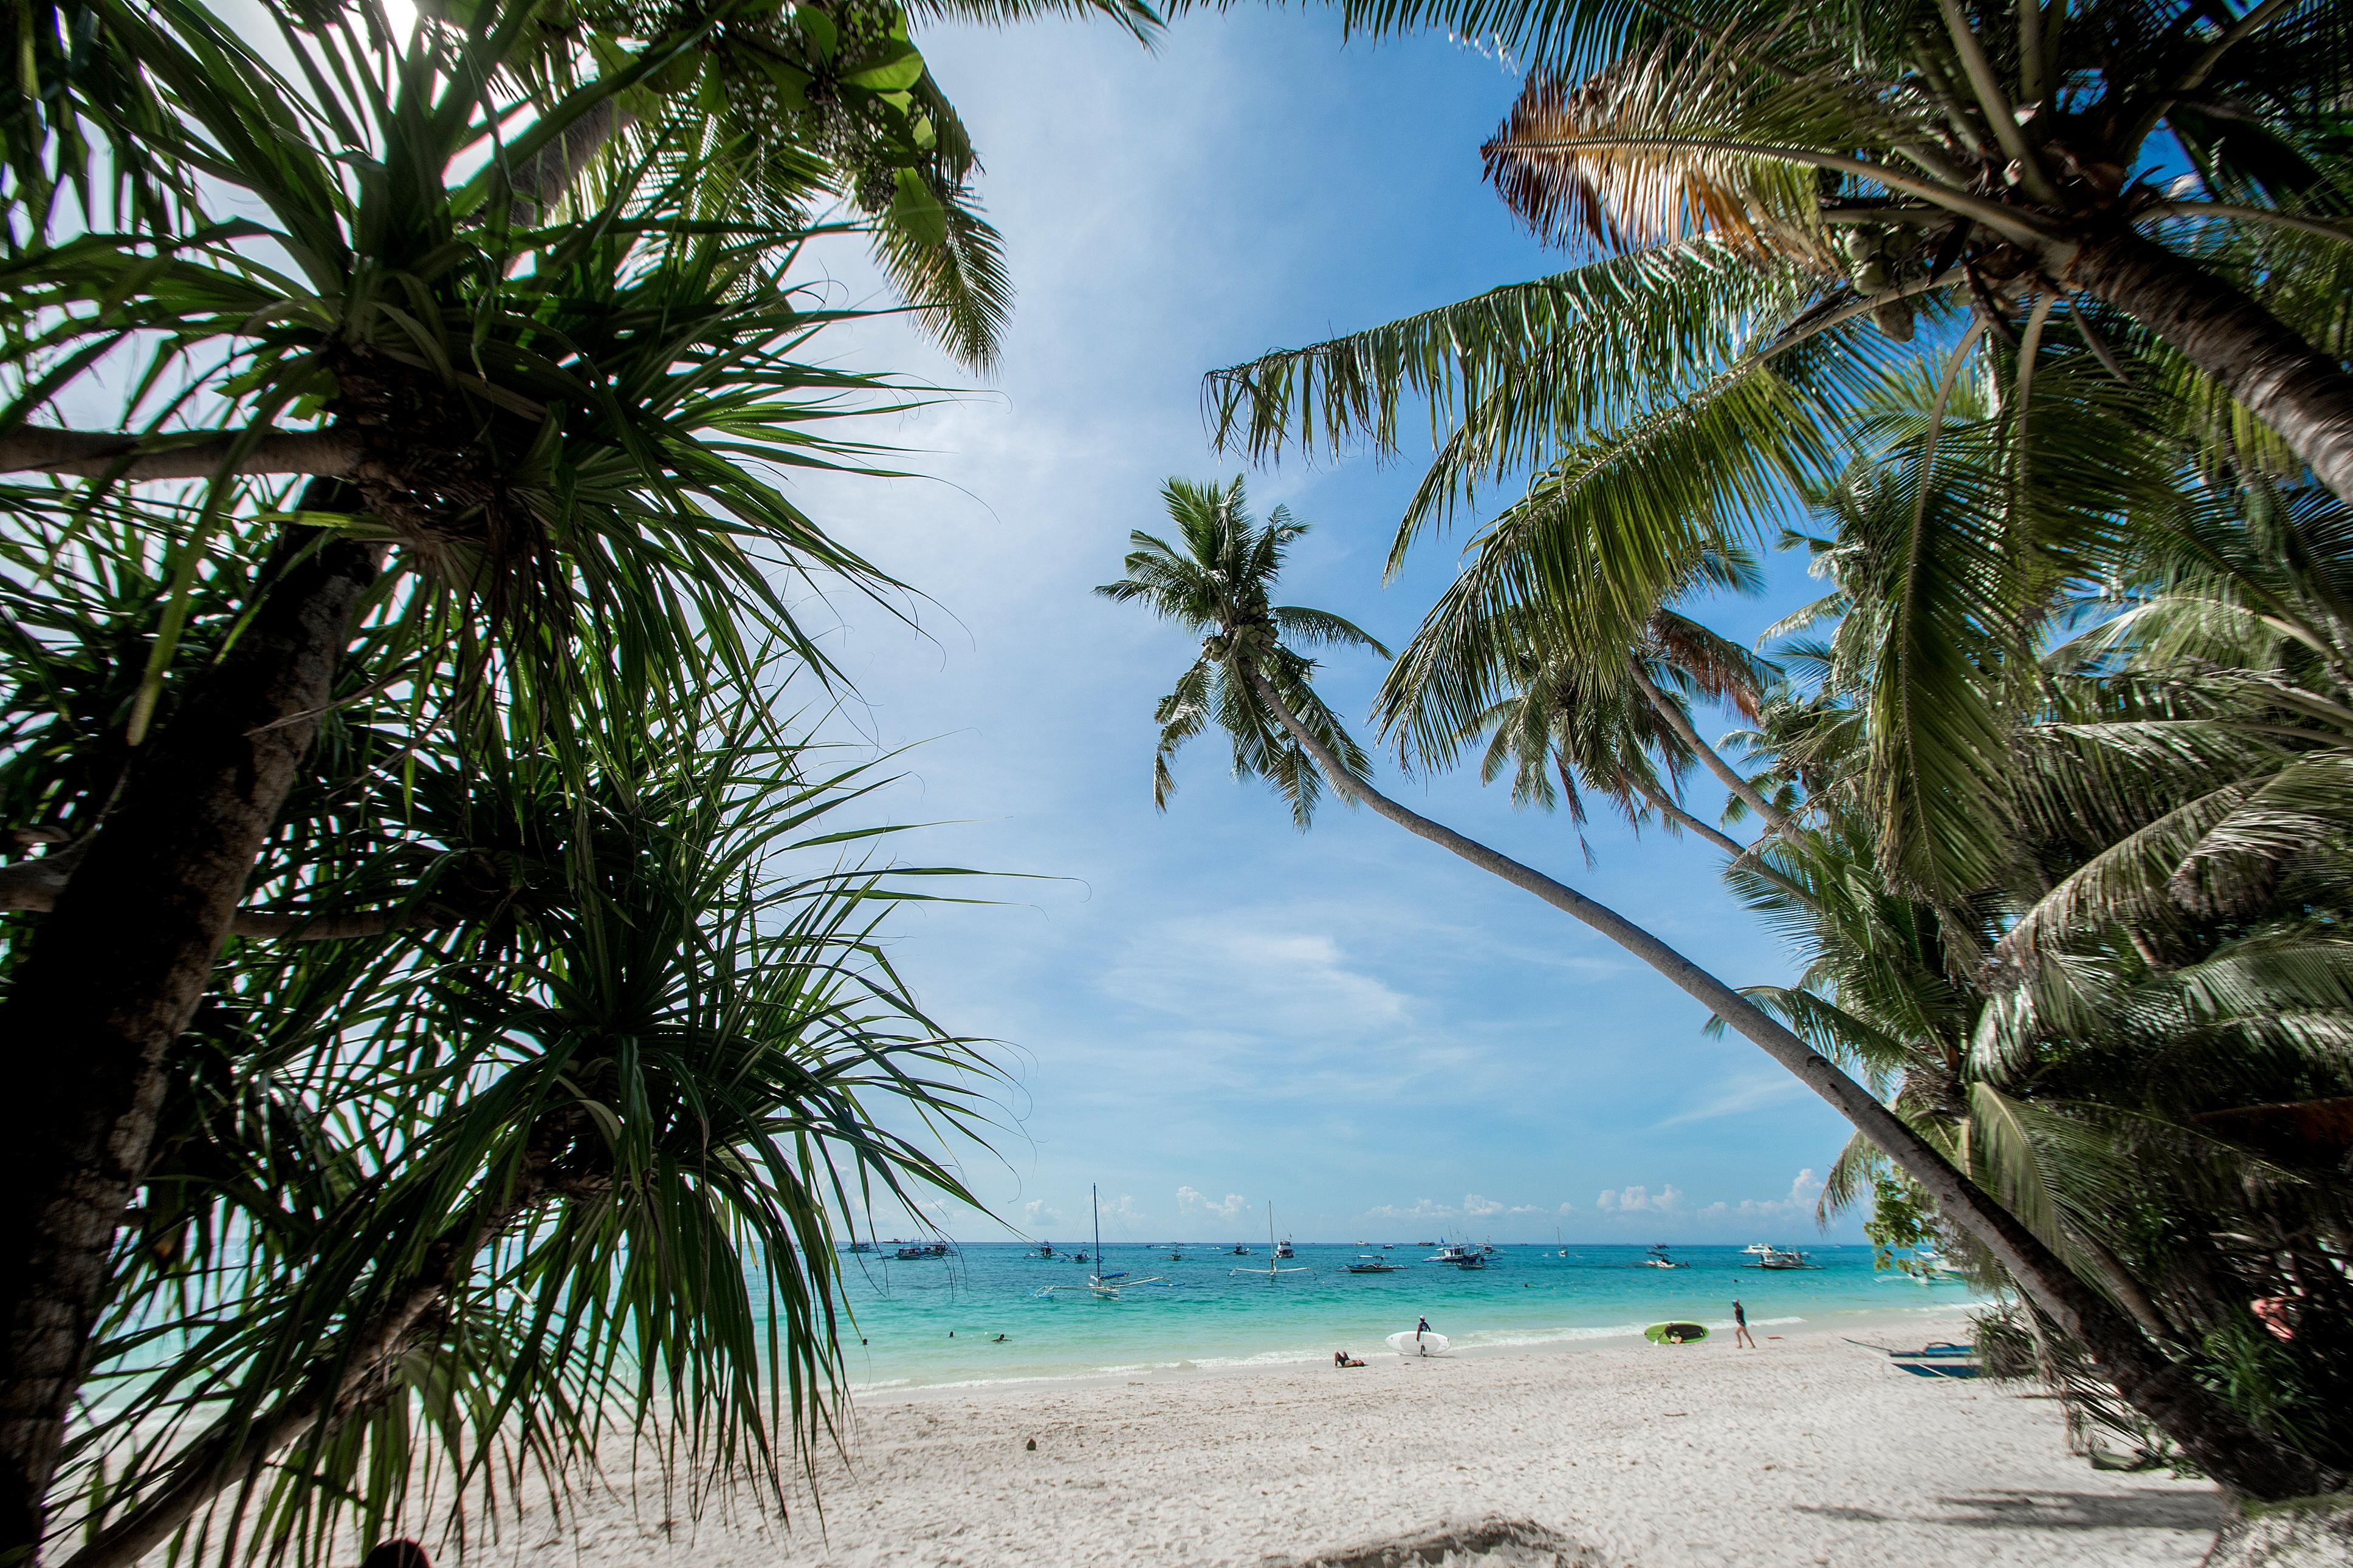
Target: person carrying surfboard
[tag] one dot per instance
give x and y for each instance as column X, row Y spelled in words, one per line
column 1740, row 1335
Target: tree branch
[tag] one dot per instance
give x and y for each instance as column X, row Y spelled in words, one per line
column 33, row 886
column 179, row 454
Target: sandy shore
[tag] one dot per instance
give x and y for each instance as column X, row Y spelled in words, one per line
column 1808, row 1451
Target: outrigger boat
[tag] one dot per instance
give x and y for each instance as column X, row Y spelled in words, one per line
column 1102, row 1286
column 1658, row 1260
column 1275, row 1269
column 922, row 1249
column 1373, row 1263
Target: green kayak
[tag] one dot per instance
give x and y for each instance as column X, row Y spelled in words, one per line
column 1675, row 1333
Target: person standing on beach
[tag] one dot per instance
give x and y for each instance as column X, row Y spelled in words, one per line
column 1740, row 1335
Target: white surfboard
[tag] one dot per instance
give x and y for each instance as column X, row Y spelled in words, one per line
column 1422, row 1344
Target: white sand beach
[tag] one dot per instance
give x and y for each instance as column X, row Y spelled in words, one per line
column 1805, row 1452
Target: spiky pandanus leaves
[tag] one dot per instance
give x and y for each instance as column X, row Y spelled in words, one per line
column 569, row 1167
column 1216, row 580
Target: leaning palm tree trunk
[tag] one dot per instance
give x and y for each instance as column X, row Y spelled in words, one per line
column 2161, row 1389
column 113, row 975
column 2300, row 392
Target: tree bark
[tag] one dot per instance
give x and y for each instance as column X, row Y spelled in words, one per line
column 113, row 973
column 191, row 454
column 33, row 886
column 2283, row 381
column 2208, row 1432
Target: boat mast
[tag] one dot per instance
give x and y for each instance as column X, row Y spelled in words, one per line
column 1095, row 1201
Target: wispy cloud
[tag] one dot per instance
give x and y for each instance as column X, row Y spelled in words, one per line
column 1750, row 1093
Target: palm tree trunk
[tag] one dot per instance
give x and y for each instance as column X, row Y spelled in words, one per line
column 2212, row 1436
column 1726, row 774
column 112, row 974
column 1740, row 852
column 2303, row 394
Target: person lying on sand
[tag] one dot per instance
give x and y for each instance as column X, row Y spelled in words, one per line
column 1342, row 1358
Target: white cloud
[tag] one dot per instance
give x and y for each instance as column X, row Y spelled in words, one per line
column 1188, row 1200
column 1039, row 1210
column 1423, row 1208
column 1669, row 1199
column 1123, row 1207
column 1804, row 1189
column 1476, row 1207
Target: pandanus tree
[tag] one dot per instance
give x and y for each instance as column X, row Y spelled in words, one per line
column 1198, row 592
column 503, row 351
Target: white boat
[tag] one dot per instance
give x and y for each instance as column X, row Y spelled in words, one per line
column 1274, row 1270
column 1459, row 1255
column 1774, row 1258
column 1421, row 1342
column 1373, row 1263
column 1659, row 1258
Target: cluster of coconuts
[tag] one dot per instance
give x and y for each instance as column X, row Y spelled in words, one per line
column 1866, row 255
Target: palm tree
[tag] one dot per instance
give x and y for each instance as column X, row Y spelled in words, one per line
column 2127, row 1027
column 2214, row 1437
column 1770, row 175
column 1559, row 701
column 1217, row 584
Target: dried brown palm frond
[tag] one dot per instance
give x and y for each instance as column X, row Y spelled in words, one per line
column 1634, row 155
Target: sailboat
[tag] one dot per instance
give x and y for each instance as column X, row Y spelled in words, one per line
column 1102, row 1286
column 1274, row 1268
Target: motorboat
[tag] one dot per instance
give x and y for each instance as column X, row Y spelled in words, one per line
column 1373, row 1263
column 1045, row 1249
column 860, row 1247
column 1775, row 1257
column 921, row 1250
column 1284, row 1249
column 1658, row 1258
column 1238, row 1252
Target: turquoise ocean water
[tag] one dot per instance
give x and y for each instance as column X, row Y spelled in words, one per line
column 934, row 1322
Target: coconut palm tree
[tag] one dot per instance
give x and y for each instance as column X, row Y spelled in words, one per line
column 1216, row 583
column 1768, row 175
column 2146, row 1372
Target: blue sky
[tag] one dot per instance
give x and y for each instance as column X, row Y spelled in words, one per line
column 1206, row 1010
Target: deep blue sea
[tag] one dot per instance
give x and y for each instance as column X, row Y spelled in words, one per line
column 936, row 1321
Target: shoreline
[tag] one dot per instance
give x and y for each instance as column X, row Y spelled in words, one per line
column 1805, row 1453
column 1568, row 1341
